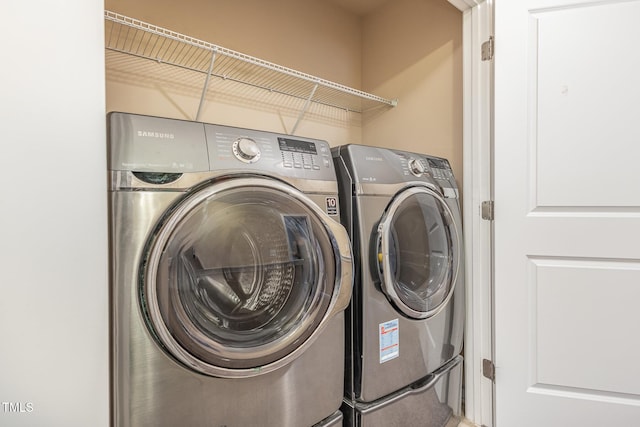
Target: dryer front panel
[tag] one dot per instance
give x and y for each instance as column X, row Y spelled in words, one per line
column 419, row 252
column 240, row 277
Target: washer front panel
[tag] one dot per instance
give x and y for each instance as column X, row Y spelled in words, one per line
column 239, row 277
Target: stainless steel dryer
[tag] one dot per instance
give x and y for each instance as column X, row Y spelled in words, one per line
column 230, row 273
column 406, row 319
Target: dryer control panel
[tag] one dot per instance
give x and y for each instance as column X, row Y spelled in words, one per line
column 389, row 166
column 443, row 175
column 440, row 167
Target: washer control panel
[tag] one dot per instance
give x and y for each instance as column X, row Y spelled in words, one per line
column 293, row 156
column 154, row 144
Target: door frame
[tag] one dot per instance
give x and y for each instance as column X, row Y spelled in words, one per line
column 477, row 16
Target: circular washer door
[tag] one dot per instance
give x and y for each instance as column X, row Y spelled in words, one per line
column 418, row 252
column 239, row 277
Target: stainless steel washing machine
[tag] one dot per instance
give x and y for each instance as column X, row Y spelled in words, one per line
column 406, row 319
column 230, row 273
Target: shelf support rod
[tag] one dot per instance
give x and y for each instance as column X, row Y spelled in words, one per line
column 304, row 109
column 206, row 83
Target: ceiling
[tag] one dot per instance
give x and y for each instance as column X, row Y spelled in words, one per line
column 359, row 7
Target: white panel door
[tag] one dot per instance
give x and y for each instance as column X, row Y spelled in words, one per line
column 567, row 219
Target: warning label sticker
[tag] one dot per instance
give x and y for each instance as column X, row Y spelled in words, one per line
column 389, row 340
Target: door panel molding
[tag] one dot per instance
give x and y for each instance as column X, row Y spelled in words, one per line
column 567, row 210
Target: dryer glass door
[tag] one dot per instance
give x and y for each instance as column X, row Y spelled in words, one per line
column 418, row 252
column 239, row 277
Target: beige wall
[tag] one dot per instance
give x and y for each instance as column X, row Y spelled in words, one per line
column 406, row 49
column 314, row 36
column 412, row 50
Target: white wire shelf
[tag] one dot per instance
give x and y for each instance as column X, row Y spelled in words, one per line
column 133, row 37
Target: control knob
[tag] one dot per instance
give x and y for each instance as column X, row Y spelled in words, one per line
column 416, row 167
column 246, row 150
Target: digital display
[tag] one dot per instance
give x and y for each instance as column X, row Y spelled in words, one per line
column 439, row 163
column 297, row 146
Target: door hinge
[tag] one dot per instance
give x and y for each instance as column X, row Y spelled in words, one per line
column 487, row 49
column 487, row 210
column 488, row 369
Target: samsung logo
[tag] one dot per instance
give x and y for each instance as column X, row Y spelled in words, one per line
column 153, row 134
column 374, row 159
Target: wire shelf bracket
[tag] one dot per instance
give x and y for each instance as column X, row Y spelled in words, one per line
column 205, row 88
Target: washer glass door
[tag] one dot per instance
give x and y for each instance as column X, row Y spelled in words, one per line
column 418, row 252
column 239, row 277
